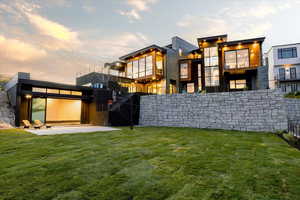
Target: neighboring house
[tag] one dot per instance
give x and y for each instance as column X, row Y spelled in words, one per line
column 220, row 65
column 283, row 63
column 152, row 70
column 56, row 103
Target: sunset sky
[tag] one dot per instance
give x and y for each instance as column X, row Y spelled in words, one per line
column 55, row 39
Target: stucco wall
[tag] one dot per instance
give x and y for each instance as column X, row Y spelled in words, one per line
column 262, row 110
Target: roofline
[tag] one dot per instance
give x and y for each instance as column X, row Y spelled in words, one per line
column 282, row 45
column 52, row 85
column 154, row 46
column 259, row 39
column 212, row 37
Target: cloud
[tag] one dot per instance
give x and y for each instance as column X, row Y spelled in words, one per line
column 138, row 6
column 16, row 50
column 52, row 29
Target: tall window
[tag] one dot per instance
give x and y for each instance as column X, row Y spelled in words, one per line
column 293, row 73
column 237, row 59
column 211, row 62
column 135, row 69
column 281, row 74
column 159, row 63
column 199, row 78
column 287, row 53
column 184, row 70
column 238, row 84
column 149, row 66
column 142, row 67
column 129, row 70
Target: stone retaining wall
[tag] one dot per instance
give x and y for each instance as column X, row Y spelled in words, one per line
column 293, row 109
column 261, row 110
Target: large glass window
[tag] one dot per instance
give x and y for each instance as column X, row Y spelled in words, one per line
column 142, row 67
column 211, row 76
column 211, row 56
column 237, row 59
column 184, row 70
column 38, row 109
column 281, row 74
column 135, row 69
column 238, row 84
column 149, row 65
column 159, row 63
column 129, row 70
column 287, row 53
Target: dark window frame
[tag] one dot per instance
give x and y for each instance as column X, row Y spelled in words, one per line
column 281, row 52
column 280, row 72
column 294, row 73
column 236, row 58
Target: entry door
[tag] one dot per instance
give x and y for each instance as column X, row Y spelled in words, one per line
column 38, row 109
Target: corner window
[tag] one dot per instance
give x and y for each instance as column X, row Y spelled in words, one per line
column 184, row 70
column 237, row 59
column 284, row 53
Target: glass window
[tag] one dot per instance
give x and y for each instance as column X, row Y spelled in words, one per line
column 212, row 76
column 41, row 90
column 68, row 92
column 135, row 69
column 230, row 60
column 281, row 74
column 199, row 77
column 190, row 88
column 293, row 73
column 129, row 70
column 237, row 59
column 149, row 66
column 142, row 67
column 38, row 109
column 294, row 87
column 159, row 63
column 184, row 70
column 52, row 91
column 77, row 93
column 287, row 53
column 211, row 56
column 238, row 84
column 243, row 58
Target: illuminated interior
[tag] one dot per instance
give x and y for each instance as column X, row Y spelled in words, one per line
column 63, row 110
column 153, row 87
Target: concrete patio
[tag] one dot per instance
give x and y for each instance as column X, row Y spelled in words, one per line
column 57, row 130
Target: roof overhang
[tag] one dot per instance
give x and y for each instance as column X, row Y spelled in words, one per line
column 213, row 38
column 239, row 42
column 143, row 51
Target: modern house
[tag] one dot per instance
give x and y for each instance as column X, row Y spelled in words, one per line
column 221, row 65
column 56, row 103
column 283, row 63
column 151, row 70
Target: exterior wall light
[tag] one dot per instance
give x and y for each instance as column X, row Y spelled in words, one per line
column 28, row 96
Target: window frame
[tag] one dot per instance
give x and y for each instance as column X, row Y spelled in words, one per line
column 281, row 54
column 187, row 70
column 236, row 58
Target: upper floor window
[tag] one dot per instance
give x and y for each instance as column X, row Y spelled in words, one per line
column 281, row 74
column 140, row 68
column 211, row 56
column 287, row 53
column 184, row 70
column 237, row 59
column 199, row 78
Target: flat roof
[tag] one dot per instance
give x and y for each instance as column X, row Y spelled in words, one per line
column 53, row 85
column 141, row 51
column 216, row 37
column 235, row 42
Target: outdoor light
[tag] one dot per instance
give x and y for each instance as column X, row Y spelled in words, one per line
column 28, row 96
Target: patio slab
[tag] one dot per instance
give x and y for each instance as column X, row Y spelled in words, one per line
column 70, row 129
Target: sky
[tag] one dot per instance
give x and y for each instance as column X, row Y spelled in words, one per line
column 56, row 40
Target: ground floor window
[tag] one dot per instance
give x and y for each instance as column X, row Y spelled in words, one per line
column 238, row 84
column 211, row 76
column 190, row 88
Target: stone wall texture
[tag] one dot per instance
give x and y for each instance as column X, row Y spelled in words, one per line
column 260, row 110
column 293, row 109
column 7, row 115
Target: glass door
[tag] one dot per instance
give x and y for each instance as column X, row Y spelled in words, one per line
column 38, row 109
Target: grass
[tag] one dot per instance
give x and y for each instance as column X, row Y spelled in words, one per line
column 148, row 163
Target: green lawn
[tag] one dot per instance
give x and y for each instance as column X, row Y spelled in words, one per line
column 148, row 163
